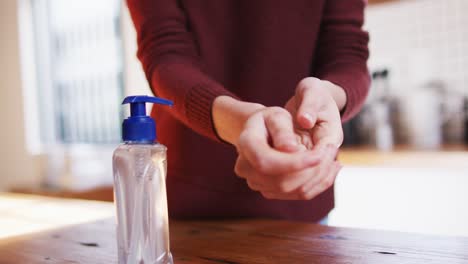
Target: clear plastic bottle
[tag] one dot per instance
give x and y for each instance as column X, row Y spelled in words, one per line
column 140, row 191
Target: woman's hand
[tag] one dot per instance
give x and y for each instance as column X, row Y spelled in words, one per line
column 278, row 155
column 315, row 108
column 275, row 164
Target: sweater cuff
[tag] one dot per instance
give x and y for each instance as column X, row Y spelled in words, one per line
column 355, row 86
column 198, row 108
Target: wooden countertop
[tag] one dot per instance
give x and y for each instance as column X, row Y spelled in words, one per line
column 36, row 229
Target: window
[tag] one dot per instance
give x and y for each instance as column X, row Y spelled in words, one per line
column 79, row 69
column 72, row 65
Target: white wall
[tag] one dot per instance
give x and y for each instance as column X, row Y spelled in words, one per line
column 419, row 40
column 394, row 198
column 17, row 165
column 135, row 80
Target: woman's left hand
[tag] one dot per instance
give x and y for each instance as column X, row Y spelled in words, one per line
column 315, row 108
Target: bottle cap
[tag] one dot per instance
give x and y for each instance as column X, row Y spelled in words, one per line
column 139, row 127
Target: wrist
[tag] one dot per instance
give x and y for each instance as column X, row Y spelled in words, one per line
column 229, row 116
column 338, row 94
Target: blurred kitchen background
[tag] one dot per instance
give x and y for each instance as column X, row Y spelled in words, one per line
column 419, row 63
column 66, row 65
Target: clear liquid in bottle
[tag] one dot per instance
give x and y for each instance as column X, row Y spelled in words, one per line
column 141, row 203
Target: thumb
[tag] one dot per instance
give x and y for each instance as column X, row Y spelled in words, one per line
column 306, row 119
column 308, row 108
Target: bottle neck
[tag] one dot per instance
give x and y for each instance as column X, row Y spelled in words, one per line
column 139, row 142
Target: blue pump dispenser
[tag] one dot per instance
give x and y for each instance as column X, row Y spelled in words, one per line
column 139, row 127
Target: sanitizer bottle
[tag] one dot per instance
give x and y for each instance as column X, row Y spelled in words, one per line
column 139, row 167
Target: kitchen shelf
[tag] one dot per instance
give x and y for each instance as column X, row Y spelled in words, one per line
column 450, row 156
column 373, row 2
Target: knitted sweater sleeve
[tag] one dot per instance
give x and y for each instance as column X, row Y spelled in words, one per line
column 172, row 65
column 342, row 51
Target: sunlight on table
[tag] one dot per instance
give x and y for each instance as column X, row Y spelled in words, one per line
column 24, row 214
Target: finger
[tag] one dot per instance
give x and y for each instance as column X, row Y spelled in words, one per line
column 290, row 183
column 240, row 168
column 254, row 180
column 271, row 183
column 253, row 145
column 280, row 196
column 284, row 189
column 329, row 132
column 325, row 183
column 286, row 185
column 255, row 186
column 281, row 130
column 320, row 173
column 328, row 162
column 309, row 103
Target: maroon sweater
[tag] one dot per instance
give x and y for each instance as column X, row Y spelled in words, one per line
column 194, row 51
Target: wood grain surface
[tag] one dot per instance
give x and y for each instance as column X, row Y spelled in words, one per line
column 236, row 241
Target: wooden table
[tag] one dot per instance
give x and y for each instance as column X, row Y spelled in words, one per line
column 75, row 231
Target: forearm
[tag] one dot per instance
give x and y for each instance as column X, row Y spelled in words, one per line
column 229, row 116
